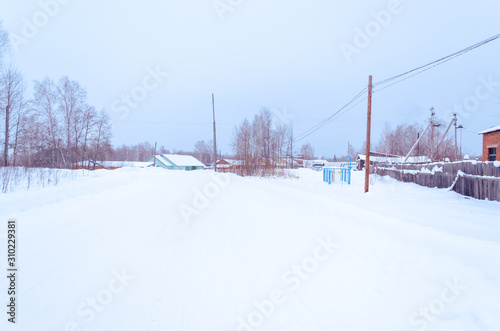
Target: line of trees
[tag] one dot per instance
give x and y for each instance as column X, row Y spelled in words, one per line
column 400, row 140
column 204, row 151
column 55, row 128
column 262, row 146
column 139, row 152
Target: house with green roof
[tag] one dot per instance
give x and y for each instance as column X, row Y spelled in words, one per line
column 176, row 162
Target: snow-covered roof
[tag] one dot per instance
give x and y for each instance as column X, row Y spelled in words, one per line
column 231, row 163
column 493, row 129
column 162, row 160
column 401, row 159
column 183, row 160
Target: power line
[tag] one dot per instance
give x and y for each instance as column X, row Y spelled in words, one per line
column 399, row 78
column 435, row 63
column 331, row 117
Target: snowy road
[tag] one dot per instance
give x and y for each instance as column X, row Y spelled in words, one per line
column 150, row 249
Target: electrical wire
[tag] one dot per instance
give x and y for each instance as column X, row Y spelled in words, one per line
column 435, row 63
column 331, row 117
column 399, row 78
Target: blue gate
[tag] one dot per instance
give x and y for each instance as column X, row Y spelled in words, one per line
column 329, row 175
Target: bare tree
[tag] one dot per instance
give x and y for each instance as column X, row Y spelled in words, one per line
column 203, row 151
column 4, row 42
column 261, row 138
column 72, row 101
column 29, row 139
column 307, row 151
column 279, row 140
column 261, row 147
column 12, row 91
column 102, row 136
column 400, row 141
column 244, row 151
column 45, row 104
column 89, row 120
column 21, row 115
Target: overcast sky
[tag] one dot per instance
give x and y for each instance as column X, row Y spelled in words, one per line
column 301, row 59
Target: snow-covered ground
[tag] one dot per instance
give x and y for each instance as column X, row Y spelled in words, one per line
column 152, row 249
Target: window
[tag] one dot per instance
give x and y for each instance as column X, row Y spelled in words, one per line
column 492, row 152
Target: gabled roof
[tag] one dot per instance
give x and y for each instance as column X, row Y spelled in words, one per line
column 228, row 162
column 181, row 160
column 493, row 129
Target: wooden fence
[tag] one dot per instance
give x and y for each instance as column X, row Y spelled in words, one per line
column 480, row 180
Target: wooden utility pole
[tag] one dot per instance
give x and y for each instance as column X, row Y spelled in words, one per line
column 460, row 126
column 444, row 136
column 432, row 133
column 456, row 146
column 368, row 134
column 418, row 145
column 215, row 135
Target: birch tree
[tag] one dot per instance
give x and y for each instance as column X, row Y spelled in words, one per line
column 72, row 100
column 102, row 136
column 4, row 42
column 307, row 151
column 12, row 92
column 89, row 119
column 45, row 103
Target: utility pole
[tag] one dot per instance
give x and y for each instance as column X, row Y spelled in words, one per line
column 448, row 129
column 418, row 145
column 368, row 134
column 432, row 133
column 456, row 146
column 460, row 126
column 154, row 157
column 215, row 135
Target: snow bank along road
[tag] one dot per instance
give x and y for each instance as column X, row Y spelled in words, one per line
column 150, row 249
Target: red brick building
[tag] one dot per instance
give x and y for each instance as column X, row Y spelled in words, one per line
column 491, row 143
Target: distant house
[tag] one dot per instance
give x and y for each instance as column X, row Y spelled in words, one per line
column 314, row 163
column 229, row 165
column 176, row 162
column 298, row 163
column 491, row 142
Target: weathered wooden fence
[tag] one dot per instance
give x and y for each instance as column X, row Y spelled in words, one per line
column 480, row 180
